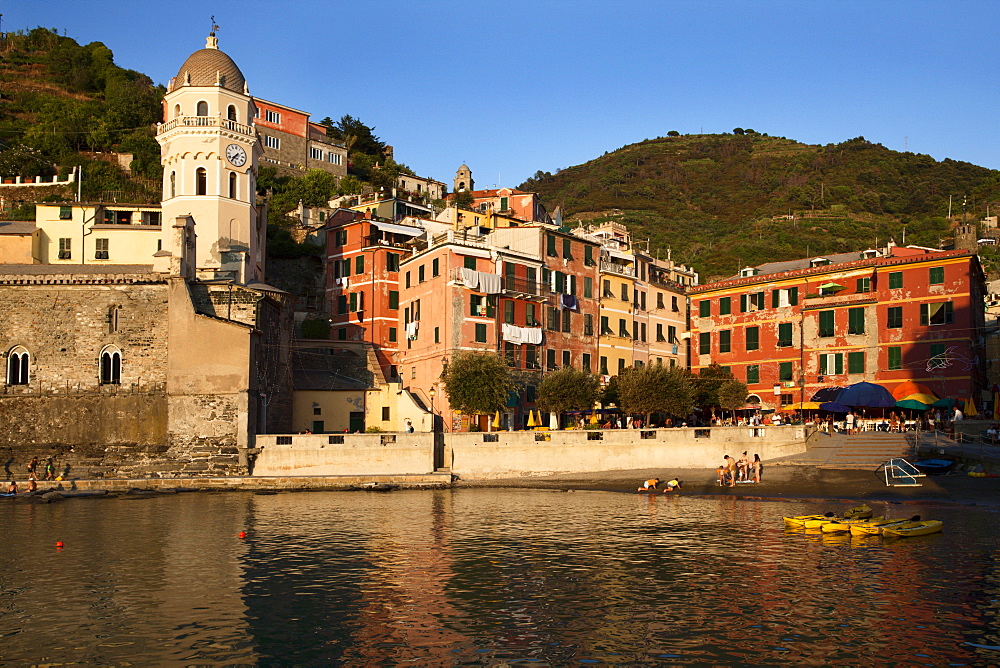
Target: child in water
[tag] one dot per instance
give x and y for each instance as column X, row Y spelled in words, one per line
column 649, row 485
column 672, row 485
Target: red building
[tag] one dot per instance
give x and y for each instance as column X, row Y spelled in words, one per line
column 883, row 316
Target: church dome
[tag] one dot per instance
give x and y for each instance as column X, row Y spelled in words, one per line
column 210, row 67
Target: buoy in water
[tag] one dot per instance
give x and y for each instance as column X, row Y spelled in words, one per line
column 59, row 545
column 243, row 534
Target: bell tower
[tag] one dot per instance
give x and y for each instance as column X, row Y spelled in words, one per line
column 209, row 150
column 463, row 179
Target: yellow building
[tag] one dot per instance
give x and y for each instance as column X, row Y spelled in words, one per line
column 97, row 233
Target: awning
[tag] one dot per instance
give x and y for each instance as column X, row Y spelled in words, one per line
column 831, row 286
column 620, row 255
column 398, row 229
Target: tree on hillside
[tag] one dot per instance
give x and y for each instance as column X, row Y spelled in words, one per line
column 673, row 133
column 738, row 131
column 656, row 389
column 358, row 137
column 477, row 383
column 463, row 200
column 568, row 389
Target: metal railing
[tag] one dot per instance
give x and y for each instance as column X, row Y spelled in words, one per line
column 204, row 122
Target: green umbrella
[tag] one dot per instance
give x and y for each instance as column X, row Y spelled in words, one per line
column 947, row 402
column 912, row 404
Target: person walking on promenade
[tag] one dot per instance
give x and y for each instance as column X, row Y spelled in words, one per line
column 33, row 469
column 50, row 470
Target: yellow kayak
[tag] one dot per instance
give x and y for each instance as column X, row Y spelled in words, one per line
column 800, row 521
column 919, row 528
column 874, row 527
column 844, row 525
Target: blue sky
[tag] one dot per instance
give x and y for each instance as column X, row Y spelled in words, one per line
column 518, row 86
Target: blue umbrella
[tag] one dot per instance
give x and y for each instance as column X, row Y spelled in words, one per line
column 834, row 407
column 827, row 394
column 868, row 395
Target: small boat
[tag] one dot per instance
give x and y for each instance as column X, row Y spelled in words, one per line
column 844, row 525
column 918, row 528
column 934, row 466
column 874, row 527
column 859, row 512
column 800, row 521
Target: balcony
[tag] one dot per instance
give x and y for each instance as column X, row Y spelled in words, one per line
column 389, row 240
column 615, row 268
column 814, row 301
column 661, row 282
column 204, row 122
column 523, row 288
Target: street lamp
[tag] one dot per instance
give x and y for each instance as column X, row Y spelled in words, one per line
column 432, row 392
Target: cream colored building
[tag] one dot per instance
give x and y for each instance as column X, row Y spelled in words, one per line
column 97, row 233
column 18, row 240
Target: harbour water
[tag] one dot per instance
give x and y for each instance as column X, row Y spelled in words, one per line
column 488, row 577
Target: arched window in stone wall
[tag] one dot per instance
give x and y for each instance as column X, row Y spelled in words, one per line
column 177, row 111
column 201, row 181
column 202, row 108
column 232, row 185
column 173, row 184
column 18, row 366
column 231, row 113
column 111, row 366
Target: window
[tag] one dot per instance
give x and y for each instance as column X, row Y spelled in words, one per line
column 785, row 371
column 272, row 142
column 671, row 334
column 101, row 252
column 787, row 399
column 231, row 113
column 586, row 356
column 420, row 274
column 622, row 328
column 407, row 283
column 725, row 305
column 605, row 326
column 566, row 359
column 272, row 116
column 659, row 300
column 529, row 315
column 753, row 374
column 784, row 334
column 642, row 332
column 938, row 349
column 855, row 321
column 359, row 264
column 315, row 153
column 477, row 305
column 607, row 289
column 725, row 340
column 621, row 365
column 895, row 356
column 831, row 364
column 394, row 299
column 173, row 184
column 894, row 317
column 553, row 323
column 232, row 185
column 566, row 320
column 826, row 323
column 65, row 213
column 341, row 304
column 940, row 313
column 567, row 255
column 704, row 308
column 705, row 343
column 340, row 237
column 334, row 158
column 604, row 366
column 588, row 256
column 65, row 248
column 385, row 414
column 937, row 275
column 784, row 297
column 392, row 261
column 659, row 333
column 437, row 335
column 856, row 362
column 504, row 202
column 113, row 314
column 201, row 109
column 201, row 181
column 480, row 333
column 550, row 359
column 895, row 279
column 392, row 335
column 588, row 285
column 588, row 324
column 435, row 267
column 673, row 304
column 18, row 367
column 469, row 263
column 753, row 301
column 508, row 312
column 550, row 246
column 111, row 367
column 865, row 284
column 753, row 337
column 624, row 292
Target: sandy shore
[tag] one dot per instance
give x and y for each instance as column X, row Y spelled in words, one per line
column 785, row 482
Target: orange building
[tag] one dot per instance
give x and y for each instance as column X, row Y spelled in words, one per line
column 883, row 316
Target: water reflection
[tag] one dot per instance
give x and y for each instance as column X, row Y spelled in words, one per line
column 485, row 576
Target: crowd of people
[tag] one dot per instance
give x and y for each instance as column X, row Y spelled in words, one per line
column 735, row 471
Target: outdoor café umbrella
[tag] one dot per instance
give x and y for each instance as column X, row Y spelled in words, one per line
column 803, row 406
column 912, row 404
column 868, row 395
column 834, row 407
column 531, row 419
column 946, row 402
column 970, row 408
column 827, row 394
column 908, row 387
column 927, row 399
column 496, row 420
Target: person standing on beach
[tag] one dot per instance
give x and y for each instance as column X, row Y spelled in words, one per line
column 50, row 470
column 730, row 470
column 755, row 467
column 33, row 469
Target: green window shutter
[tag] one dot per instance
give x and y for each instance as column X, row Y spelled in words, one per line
column 895, row 279
column 491, row 305
column 469, row 263
column 753, row 374
column 760, row 301
column 936, row 275
column 925, row 314
column 393, row 299
column 753, row 338
column 725, row 340
column 937, row 349
column 354, row 301
column 359, row 264
column 508, row 312
column 588, row 285
column 743, row 303
column 435, row 267
column 588, row 255
column 550, row 245
column 822, row 365
column 480, row 333
column 560, row 282
column 784, row 334
column 856, row 362
column 793, row 296
column 774, row 298
column 838, row 363
column 826, row 323
column 894, row 317
column 341, row 304
column 567, row 250
column 785, row 371
column 895, row 358
column 705, row 343
column 392, row 334
column 705, row 308
column 856, row 321
column 725, row 305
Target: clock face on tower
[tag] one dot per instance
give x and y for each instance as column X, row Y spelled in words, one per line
column 236, row 155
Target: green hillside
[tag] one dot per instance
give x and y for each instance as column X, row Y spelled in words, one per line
column 725, row 201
